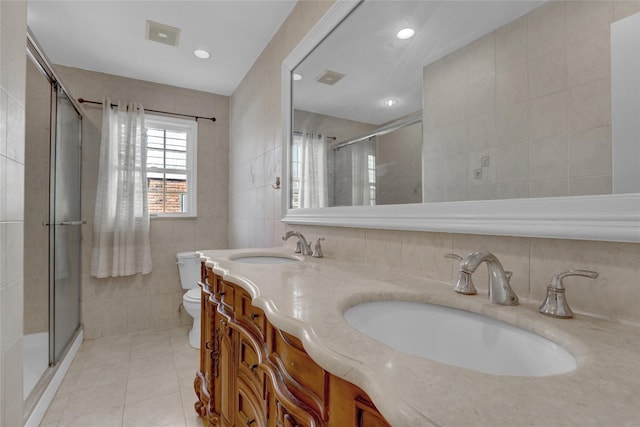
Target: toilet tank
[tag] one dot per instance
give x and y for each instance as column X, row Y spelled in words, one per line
column 189, row 267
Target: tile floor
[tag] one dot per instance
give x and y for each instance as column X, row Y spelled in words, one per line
column 135, row 380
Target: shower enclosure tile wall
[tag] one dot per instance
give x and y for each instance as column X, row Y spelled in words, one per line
column 36, row 265
column 13, row 27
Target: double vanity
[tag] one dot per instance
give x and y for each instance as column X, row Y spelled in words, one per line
column 292, row 340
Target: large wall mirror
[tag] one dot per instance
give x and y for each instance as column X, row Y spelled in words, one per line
column 493, row 117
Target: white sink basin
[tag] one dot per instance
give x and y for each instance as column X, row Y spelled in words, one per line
column 459, row 338
column 264, row 259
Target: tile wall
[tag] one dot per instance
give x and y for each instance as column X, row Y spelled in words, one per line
column 137, row 303
column 255, row 111
column 255, row 153
column 13, row 28
column 532, row 98
column 36, row 198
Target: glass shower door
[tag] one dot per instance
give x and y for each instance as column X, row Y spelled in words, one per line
column 66, row 222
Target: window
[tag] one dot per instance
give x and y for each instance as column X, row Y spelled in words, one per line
column 295, row 172
column 371, row 178
column 171, row 166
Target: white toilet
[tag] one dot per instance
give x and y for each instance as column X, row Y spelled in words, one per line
column 189, row 267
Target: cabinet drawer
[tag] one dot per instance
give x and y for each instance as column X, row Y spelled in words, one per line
column 285, row 411
column 248, row 315
column 226, row 294
column 250, row 412
column 249, row 358
column 305, row 379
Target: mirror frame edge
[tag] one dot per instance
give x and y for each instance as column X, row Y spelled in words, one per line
column 611, row 217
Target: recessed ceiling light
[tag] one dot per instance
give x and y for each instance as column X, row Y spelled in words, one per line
column 390, row 102
column 297, row 76
column 202, row 54
column 405, row 33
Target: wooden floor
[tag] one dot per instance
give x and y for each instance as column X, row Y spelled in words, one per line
column 142, row 379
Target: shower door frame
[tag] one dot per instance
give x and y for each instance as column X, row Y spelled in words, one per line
column 40, row 60
column 55, row 353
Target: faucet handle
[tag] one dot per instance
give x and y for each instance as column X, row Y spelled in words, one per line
column 298, row 247
column 555, row 304
column 317, row 249
column 464, row 285
column 453, row 256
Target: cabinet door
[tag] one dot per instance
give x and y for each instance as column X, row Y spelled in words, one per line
column 203, row 380
column 226, row 372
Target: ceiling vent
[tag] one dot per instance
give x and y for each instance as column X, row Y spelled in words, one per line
column 329, row 77
column 162, row 33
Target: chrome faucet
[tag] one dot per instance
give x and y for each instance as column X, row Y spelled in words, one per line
column 500, row 291
column 302, row 246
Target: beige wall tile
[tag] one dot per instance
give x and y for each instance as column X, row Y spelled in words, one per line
column 512, row 163
column 423, row 254
column 512, row 124
column 481, row 58
column 383, row 248
column 513, row 190
column 548, row 73
column 622, row 9
column 512, row 85
column 546, row 28
column 589, row 59
column 587, row 17
column 548, row 158
column 511, row 43
column 455, row 170
column 589, row 185
column 548, row 115
column 481, row 96
column 557, row 187
column 590, row 105
column 481, row 131
column 456, row 137
column 590, row 152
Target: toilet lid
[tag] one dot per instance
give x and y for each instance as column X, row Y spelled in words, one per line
column 193, row 294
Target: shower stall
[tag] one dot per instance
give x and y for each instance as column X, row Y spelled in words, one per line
column 52, row 239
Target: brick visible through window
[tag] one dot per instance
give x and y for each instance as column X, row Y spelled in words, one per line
column 171, row 148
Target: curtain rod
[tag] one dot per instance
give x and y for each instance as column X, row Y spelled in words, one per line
column 299, row 133
column 395, row 125
column 213, row 119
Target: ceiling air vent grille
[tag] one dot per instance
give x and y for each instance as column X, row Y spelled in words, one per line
column 329, row 77
column 162, row 33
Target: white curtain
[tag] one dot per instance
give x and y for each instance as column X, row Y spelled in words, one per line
column 363, row 184
column 121, row 221
column 313, row 170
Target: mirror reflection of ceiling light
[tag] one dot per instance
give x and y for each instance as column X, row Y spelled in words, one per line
column 390, row 102
column 202, row 54
column 405, row 33
column 297, row 76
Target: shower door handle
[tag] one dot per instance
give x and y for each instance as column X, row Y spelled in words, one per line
column 77, row 222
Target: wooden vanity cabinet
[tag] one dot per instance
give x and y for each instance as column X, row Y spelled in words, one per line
column 253, row 374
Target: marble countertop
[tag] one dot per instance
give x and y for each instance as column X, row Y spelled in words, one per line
column 307, row 299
